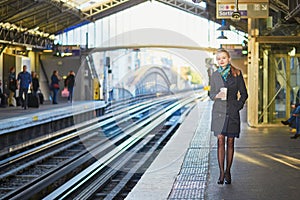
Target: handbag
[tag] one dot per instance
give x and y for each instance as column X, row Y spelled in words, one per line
column 55, row 86
column 65, row 92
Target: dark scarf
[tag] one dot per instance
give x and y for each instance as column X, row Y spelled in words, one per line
column 224, row 71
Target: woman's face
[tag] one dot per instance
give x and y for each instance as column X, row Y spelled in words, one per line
column 223, row 59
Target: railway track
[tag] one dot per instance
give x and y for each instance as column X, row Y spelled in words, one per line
column 109, row 146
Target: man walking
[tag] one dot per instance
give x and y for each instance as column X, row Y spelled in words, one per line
column 24, row 79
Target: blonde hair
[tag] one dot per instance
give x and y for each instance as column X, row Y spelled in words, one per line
column 221, row 50
column 234, row 70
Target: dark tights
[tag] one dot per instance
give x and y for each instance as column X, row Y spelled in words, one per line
column 221, row 154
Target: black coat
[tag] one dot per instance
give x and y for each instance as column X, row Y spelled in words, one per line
column 12, row 84
column 35, row 84
column 225, row 113
column 70, row 81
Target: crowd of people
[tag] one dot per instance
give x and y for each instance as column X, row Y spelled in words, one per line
column 23, row 85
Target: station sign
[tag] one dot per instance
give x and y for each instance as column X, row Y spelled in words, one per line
column 247, row 8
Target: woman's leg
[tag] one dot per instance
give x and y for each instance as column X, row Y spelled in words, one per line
column 11, row 95
column 229, row 159
column 70, row 98
column 12, row 98
column 221, row 157
column 55, row 91
column 71, row 93
column 53, row 96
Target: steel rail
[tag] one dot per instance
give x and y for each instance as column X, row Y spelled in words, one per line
column 75, row 183
column 133, row 129
column 43, row 181
column 89, row 191
column 84, row 126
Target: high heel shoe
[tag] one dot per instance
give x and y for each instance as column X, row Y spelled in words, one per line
column 221, row 180
column 227, row 178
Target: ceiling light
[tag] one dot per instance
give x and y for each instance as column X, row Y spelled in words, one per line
column 222, row 36
column 223, row 26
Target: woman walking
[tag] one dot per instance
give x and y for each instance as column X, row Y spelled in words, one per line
column 226, row 83
column 55, row 78
column 12, row 85
column 35, row 83
column 70, row 83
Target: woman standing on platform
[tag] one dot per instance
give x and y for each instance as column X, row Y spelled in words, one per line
column 55, row 78
column 12, row 85
column 226, row 82
column 35, row 83
column 70, row 83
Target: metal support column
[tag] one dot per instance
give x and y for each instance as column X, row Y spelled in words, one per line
column 265, row 88
column 105, row 78
column 288, row 87
column 253, row 69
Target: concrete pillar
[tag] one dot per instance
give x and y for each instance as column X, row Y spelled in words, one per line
column 253, row 70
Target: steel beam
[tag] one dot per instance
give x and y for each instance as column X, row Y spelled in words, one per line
column 19, row 38
column 278, row 39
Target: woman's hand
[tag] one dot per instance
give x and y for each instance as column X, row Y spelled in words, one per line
column 220, row 95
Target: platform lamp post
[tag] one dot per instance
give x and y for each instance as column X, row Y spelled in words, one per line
column 106, row 69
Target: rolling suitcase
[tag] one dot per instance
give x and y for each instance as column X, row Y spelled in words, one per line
column 18, row 101
column 41, row 97
column 33, row 101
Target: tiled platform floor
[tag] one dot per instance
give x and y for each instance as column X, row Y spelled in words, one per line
column 266, row 164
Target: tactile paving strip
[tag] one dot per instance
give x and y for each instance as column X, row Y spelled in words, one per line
column 192, row 178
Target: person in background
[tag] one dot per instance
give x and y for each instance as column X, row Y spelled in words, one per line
column 225, row 112
column 55, row 79
column 70, row 83
column 12, row 86
column 24, row 79
column 35, row 83
column 3, row 97
column 294, row 121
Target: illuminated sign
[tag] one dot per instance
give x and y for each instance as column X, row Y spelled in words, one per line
column 247, row 8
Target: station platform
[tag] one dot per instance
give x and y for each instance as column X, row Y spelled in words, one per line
column 266, row 164
column 13, row 118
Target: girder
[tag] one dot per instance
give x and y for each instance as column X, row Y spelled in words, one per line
column 53, row 17
column 109, row 7
column 17, row 38
column 96, row 9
